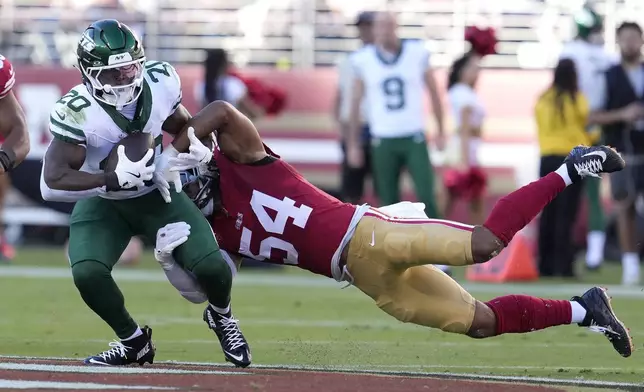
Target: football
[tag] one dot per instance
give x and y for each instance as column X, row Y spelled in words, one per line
column 136, row 146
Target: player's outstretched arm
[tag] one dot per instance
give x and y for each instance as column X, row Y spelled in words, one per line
column 237, row 137
column 13, row 127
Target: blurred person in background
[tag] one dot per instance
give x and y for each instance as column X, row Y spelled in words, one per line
column 622, row 117
column 219, row 84
column 391, row 76
column 591, row 60
column 14, row 140
column 353, row 178
column 465, row 179
column 562, row 114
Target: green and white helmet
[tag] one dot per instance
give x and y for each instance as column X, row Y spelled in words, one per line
column 589, row 24
column 111, row 59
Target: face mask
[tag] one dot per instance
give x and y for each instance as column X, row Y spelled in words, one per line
column 208, row 209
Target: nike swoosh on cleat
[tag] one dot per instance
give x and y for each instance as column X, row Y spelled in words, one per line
column 600, row 154
column 95, row 362
column 235, row 357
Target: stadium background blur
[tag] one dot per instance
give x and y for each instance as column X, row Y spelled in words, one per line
column 290, row 44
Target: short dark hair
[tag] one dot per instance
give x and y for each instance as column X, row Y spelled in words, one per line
column 629, row 25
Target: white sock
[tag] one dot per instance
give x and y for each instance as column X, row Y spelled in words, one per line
column 136, row 334
column 563, row 173
column 595, row 252
column 630, row 267
column 442, row 267
column 225, row 310
column 578, row 312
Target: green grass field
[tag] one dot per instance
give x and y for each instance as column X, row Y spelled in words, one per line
column 298, row 319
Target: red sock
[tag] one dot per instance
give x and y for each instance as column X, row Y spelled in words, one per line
column 514, row 211
column 522, row 313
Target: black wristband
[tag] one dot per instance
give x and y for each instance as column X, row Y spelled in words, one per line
column 112, row 182
column 7, row 159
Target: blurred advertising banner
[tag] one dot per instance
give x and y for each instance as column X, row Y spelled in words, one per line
column 508, row 95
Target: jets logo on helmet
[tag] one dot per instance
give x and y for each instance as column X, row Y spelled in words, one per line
column 87, row 43
column 111, row 59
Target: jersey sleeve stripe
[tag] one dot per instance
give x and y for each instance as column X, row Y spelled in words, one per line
column 8, row 86
column 176, row 104
column 57, row 128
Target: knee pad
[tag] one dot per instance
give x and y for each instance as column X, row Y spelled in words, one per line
column 426, row 296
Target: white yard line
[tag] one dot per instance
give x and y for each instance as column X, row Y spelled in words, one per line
column 369, row 369
column 19, row 384
column 104, row 370
column 277, row 280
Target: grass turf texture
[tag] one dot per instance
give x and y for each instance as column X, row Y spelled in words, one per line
column 294, row 318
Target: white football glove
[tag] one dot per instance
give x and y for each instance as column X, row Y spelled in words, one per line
column 169, row 237
column 162, row 184
column 133, row 174
column 198, row 155
column 163, row 176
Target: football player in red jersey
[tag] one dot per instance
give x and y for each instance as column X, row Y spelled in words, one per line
column 13, row 137
column 263, row 209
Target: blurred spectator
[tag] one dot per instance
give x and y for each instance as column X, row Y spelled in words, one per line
column 591, row 61
column 353, row 178
column 392, row 76
column 622, row 117
column 220, row 85
column 561, row 114
column 466, row 179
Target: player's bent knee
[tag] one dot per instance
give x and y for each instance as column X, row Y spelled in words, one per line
column 86, row 273
column 485, row 245
column 484, row 323
column 213, row 273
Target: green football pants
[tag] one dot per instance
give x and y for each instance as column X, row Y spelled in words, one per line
column 100, row 229
column 390, row 156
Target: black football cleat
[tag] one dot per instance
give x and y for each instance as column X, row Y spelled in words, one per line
column 233, row 343
column 138, row 350
column 600, row 317
column 592, row 161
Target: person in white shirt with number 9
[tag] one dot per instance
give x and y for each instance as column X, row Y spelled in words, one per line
column 123, row 96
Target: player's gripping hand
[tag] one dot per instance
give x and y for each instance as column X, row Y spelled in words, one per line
column 129, row 174
column 169, row 237
column 164, row 178
column 162, row 184
column 198, row 156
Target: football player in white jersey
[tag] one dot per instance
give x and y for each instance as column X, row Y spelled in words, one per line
column 392, row 75
column 591, row 60
column 121, row 94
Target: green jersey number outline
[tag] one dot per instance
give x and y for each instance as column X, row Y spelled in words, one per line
column 74, row 101
column 157, row 67
column 394, row 90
